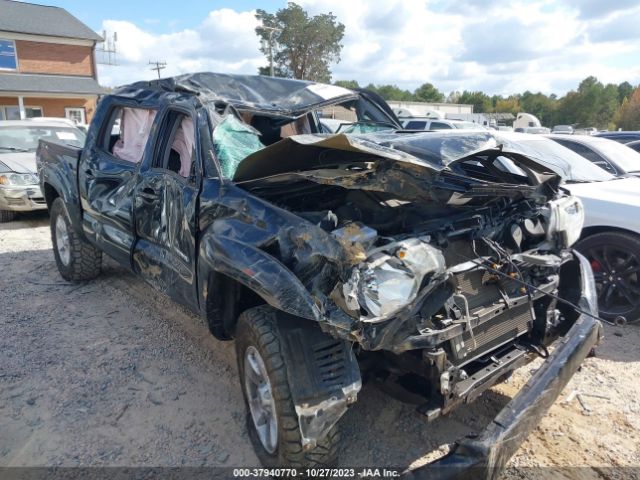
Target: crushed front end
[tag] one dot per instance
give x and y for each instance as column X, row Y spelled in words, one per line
column 455, row 269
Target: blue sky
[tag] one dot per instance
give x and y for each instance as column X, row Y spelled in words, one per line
column 498, row 46
column 158, row 16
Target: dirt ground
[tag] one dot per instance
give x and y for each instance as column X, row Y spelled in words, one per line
column 111, row 373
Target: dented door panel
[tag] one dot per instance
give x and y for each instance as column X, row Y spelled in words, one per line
column 166, row 227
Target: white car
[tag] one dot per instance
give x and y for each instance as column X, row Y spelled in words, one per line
column 19, row 183
column 610, row 237
column 425, row 123
column 616, row 158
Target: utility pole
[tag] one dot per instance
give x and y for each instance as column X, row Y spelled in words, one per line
column 271, row 31
column 158, row 66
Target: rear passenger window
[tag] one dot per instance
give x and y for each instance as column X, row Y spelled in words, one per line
column 128, row 132
column 415, row 125
column 177, row 148
column 439, row 126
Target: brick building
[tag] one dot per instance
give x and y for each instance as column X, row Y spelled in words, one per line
column 47, row 63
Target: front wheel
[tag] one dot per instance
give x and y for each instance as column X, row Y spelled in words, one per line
column 76, row 258
column 615, row 260
column 271, row 417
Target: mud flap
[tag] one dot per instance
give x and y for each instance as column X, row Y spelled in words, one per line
column 323, row 375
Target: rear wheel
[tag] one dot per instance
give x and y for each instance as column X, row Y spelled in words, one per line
column 76, row 258
column 615, row 260
column 7, row 216
column 271, row 418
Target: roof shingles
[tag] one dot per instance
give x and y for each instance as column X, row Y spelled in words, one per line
column 20, row 17
column 29, row 83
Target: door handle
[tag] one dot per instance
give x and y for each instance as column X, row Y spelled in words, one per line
column 88, row 172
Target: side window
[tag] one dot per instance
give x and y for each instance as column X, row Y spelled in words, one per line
column 177, row 149
column 439, row 126
column 127, row 132
column 589, row 154
column 415, row 125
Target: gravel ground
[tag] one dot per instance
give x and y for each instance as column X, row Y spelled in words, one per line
column 111, row 373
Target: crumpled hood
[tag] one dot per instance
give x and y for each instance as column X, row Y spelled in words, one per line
column 20, row 162
column 439, row 149
column 433, row 150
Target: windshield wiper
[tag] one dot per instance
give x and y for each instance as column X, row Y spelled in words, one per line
column 14, row 149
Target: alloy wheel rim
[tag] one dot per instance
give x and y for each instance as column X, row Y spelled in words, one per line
column 617, row 275
column 62, row 241
column 260, row 398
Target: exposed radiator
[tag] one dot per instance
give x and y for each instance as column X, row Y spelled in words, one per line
column 495, row 332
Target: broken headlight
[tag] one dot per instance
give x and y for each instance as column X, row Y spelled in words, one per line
column 566, row 218
column 391, row 277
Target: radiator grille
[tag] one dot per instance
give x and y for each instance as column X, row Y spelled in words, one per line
column 470, row 284
column 503, row 328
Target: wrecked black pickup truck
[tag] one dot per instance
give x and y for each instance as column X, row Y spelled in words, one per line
column 433, row 264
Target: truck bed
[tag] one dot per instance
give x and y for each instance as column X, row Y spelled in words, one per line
column 57, row 164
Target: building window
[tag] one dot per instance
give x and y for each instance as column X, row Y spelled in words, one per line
column 33, row 112
column 8, row 58
column 77, row 114
column 12, row 112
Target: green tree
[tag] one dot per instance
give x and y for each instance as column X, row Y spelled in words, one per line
column 592, row 105
column 428, row 93
column 302, row 46
column 541, row 106
column 510, row 104
column 625, row 89
column 628, row 116
column 352, row 84
column 481, row 101
column 391, row 92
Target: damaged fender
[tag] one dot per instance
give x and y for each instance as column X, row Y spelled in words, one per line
column 262, row 273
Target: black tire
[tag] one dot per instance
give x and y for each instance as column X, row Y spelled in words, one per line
column 7, row 216
column 257, row 328
column 615, row 260
column 85, row 260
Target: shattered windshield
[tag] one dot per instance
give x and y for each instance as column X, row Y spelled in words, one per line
column 233, row 141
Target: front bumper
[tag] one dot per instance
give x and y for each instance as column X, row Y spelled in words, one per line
column 22, row 198
column 485, row 456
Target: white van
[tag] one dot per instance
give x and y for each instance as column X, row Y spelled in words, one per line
column 424, row 123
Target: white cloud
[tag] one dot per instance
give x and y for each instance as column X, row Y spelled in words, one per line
column 223, row 42
column 498, row 47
